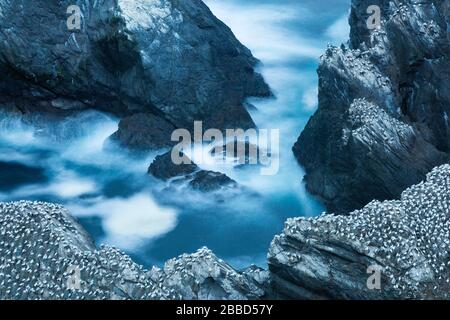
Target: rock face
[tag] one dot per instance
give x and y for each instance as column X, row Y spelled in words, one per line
column 382, row 121
column 408, row 240
column 164, row 62
column 43, row 251
column 143, row 131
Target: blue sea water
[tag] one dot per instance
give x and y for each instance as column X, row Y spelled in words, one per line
column 119, row 204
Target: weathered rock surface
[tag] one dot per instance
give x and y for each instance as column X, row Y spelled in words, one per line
column 164, row 168
column 43, row 249
column 354, row 150
column 171, row 62
column 407, row 239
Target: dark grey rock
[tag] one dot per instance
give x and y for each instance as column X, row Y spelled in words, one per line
column 357, row 150
column 208, row 181
column 163, row 168
column 143, row 131
column 172, row 59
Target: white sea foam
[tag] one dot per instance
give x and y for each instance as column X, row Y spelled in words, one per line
column 310, row 98
column 339, row 31
column 262, row 28
column 126, row 221
column 129, row 222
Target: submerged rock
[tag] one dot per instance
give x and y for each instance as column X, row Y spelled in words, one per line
column 242, row 153
column 382, row 121
column 165, row 169
column 173, row 61
column 208, row 181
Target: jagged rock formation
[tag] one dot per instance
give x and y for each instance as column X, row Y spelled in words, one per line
column 203, row 276
column 408, row 240
column 42, row 248
column 357, row 150
column 170, row 62
column 164, row 168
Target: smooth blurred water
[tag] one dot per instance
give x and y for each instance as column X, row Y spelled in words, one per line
column 119, row 204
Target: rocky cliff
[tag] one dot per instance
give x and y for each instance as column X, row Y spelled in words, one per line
column 406, row 240
column 158, row 64
column 384, row 100
column 43, row 251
